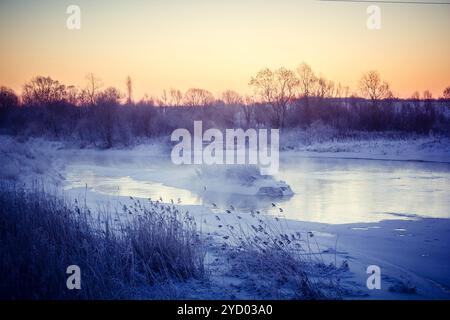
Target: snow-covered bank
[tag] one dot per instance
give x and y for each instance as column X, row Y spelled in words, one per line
column 26, row 162
column 366, row 146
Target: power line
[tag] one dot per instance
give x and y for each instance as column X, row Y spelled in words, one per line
column 390, row 2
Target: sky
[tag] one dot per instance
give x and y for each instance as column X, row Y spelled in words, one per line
column 220, row 44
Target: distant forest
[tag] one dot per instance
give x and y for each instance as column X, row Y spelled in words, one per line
column 282, row 98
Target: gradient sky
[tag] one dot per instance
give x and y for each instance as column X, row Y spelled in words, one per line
column 220, row 44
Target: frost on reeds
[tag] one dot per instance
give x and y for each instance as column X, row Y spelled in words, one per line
column 277, row 262
column 121, row 254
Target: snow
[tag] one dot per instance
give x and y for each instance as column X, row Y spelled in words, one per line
column 380, row 146
column 241, row 179
column 411, row 247
column 26, row 162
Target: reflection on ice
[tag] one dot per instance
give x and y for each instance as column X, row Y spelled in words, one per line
column 127, row 186
column 335, row 191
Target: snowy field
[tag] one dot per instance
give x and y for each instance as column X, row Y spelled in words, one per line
column 381, row 202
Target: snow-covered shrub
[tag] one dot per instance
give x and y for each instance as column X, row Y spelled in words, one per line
column 242, row 179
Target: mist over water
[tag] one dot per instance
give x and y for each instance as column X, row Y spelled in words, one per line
column 326, row 190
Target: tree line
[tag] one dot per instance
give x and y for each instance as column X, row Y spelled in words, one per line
column 282, row 98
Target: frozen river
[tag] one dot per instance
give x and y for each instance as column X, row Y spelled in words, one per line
column 326, row 190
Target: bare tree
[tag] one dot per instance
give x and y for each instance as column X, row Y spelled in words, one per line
column 277, row 89
column 371, row 86
column 42, row 91
column 195, row 97
column 264, row 85
column 176, row 97
column 8, row 98
column 307, row 80
column 307, row 86
column 147, row 101
column 446, row 93
column 72, row 95
column 325, row 88
column 346, row 91
column 415, row 95
column 107, row 102
column 129, row 84
column 232, row 98
column 248, row 108
column 427, row 95
column 109, row 97
column 340, row 91
column 83, row 98
column 164, row 100
column 93, row 87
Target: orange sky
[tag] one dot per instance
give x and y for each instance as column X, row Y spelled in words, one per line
column 218, row 45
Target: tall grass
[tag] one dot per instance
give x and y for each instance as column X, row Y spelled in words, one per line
column 146, row 249
column 121, row 254
column 283, row 263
